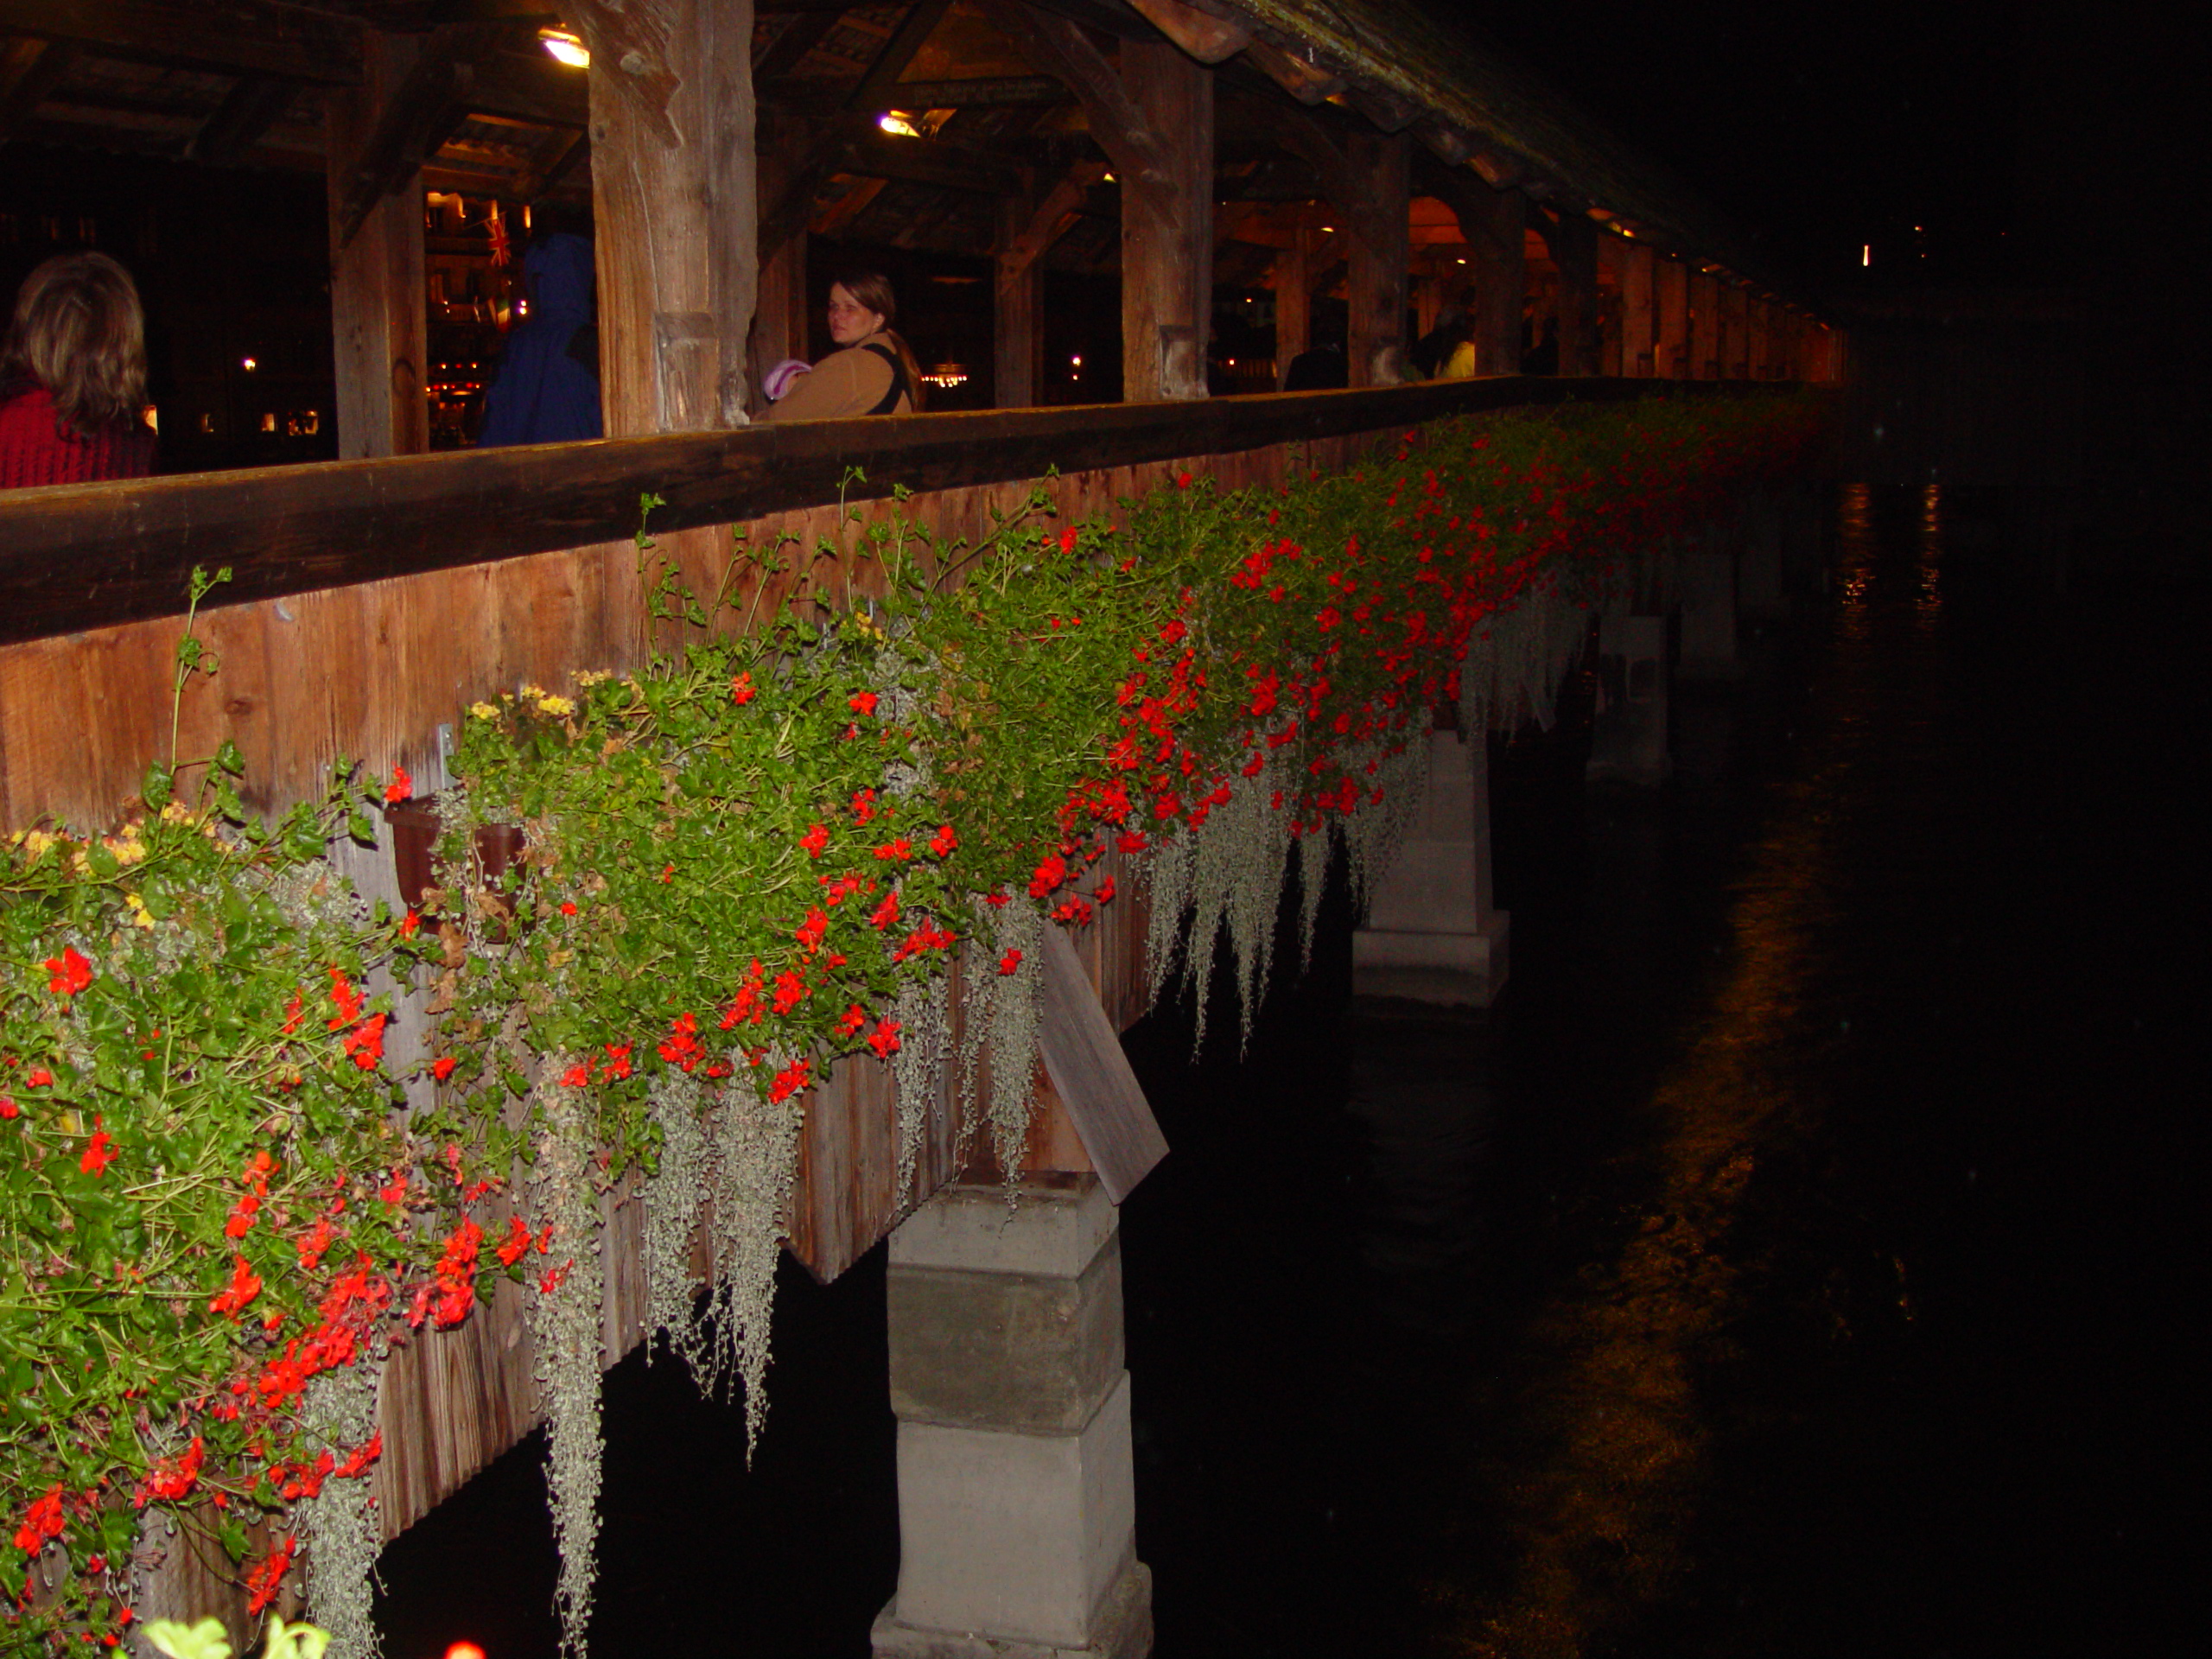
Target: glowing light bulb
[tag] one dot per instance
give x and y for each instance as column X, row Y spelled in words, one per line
column 566, row 48
column 464, row 1651
column 899, row 124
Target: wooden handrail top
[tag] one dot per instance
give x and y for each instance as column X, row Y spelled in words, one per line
column 80, row 556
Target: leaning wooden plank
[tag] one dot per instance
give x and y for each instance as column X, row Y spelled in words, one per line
column 1092, row 1075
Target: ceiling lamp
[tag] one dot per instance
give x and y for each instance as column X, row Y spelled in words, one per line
column 899, row 124
column 564, row 45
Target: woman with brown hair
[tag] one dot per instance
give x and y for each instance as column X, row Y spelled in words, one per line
column 872, row 373
column 73, row 377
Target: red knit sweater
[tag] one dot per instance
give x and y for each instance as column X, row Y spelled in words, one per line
column 33, row 449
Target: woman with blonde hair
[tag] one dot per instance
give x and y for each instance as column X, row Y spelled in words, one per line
column 872, row 372
column 73, row 377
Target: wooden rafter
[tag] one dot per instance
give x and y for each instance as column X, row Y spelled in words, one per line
column 227, row 36
column 555, row 159
column 253, row 104
column 1049, row 223
column 1208, row 32
column 791, row 210
column 431, row 100
column 29, row 71
column 982, row 92
column 1055, row 44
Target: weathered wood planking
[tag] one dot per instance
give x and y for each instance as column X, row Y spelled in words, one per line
column 1082, row 1053
column 77, row 557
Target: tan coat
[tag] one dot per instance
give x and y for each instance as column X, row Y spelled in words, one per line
column 847, row 383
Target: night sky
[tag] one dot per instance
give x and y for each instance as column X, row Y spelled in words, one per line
column 1819, row 125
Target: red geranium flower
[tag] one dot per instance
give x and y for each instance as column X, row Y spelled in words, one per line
column 815, row 840
column 68, row 973
column 400, row 787
column 944, row 841
column 1009, row 962
column 99, row 1153
column 861, row 703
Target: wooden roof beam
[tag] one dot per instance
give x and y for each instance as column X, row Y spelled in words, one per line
column 251, row 106
column 29, row 71
column 1207, row 31
column 982, row 92
column 557, row 158
column 781, row 220
column 1054, row 214
column 1303, row 78
column 431, row 100
column 1054, row 42
column 227, row 36
column 531, row 88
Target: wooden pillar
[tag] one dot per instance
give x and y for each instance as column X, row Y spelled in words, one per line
column 676, row 204
column 1018, row 316
column 1670, row 306
column 1381, row 247
column 1167, row 229
column 1704, row 327
column 1427, row 298
column 1758, row 331
column 379, row 292
column 781, row 319
column 1735, row 333
column 1611, row 258
column 1293, row 301
column 1494, row 226
column 1639, row 309
column 1573, row 243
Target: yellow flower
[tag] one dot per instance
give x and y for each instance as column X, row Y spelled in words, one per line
column 533, row 692
column 175, row 814
column 140, row 916
column 588, row 678
column 35, row 843
column 559, row 707
column 127, row 848
column 484, row 711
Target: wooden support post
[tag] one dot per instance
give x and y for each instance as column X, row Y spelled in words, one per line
column 1639, row 318
column 379, row 291
column 1573, row 243
column 1380, row 248
column 678, row 208
column 781, row 323
column 1167, row 228
column 1704, row 327
column 1018, row 330
column 1154, row 117
column 1293, row 302
column 1670, row 305
column 1759, row 331
column 1612, row 260
column 1495, row 226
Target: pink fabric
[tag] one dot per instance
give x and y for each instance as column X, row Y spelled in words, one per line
column 33, row 449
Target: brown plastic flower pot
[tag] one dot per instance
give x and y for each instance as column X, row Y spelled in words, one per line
column 494, row 849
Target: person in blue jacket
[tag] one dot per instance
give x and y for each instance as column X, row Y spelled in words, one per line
column 546, row 390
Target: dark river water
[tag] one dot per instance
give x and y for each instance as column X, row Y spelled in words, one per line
column 1803, row 1258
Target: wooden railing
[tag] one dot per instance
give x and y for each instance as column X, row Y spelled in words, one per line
column 76, row 557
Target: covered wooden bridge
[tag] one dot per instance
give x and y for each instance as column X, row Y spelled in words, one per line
column 1277, row 145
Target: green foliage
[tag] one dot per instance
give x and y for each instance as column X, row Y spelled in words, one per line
column 735, row 864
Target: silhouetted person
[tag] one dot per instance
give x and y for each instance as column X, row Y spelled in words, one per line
column 547, row 388
column 1322, row 369
column 73, row 377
